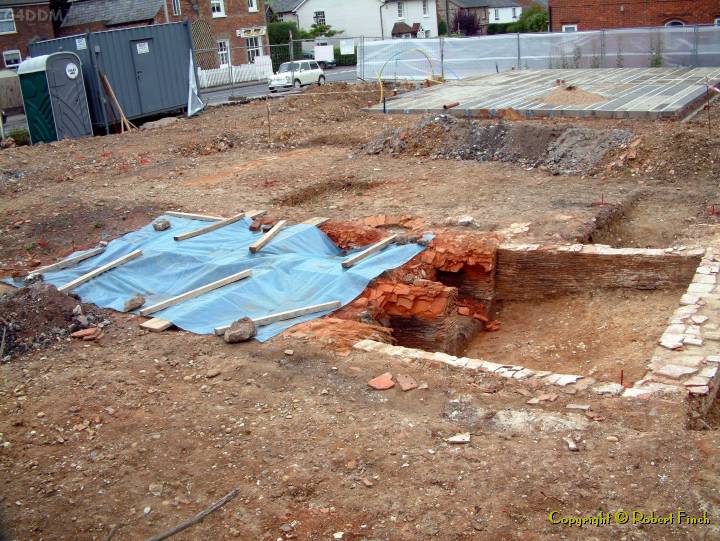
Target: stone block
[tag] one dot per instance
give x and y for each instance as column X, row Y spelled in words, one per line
column 675, row 371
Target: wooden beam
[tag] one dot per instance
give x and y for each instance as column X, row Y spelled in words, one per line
column 156, row 325
column 68, row 262
column 316, row 221
column 267, row 237
column 97, row 272
column 255, row 213
column 367, row 252
column 191, row 216
column 194, row 293
column 289, row 314
column 211, row 227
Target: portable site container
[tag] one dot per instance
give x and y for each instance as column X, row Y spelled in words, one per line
column 54, row 97
column 147, row 67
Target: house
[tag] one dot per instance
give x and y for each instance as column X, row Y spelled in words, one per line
column 487, row 11
column 21, row 22
column 225, row 32
column 368, row 18
column 574, row 16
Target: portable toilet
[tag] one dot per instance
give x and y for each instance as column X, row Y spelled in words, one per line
column 54, row 97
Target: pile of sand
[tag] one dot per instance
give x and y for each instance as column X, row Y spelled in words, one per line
column 571, row 96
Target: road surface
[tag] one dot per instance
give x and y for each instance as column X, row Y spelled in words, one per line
column 258, row 90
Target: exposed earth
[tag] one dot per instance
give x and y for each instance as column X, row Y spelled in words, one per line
column 130, row 433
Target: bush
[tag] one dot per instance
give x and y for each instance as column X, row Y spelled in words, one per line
column 345, row 59
column 498, row 28
column 442, row 28
column 533, row 18
column 279, row 33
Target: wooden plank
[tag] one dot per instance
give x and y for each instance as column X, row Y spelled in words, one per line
column 211, row 227
column 191, row 216
column 68, row 262
column 289, row 314
column 357, row 258
column 255, row 213
column 97, row 272
column 316, row 221
column 156, row 325
column 195, row 293
column 267, row 237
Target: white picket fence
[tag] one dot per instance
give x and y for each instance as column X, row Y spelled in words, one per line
column 260, row 70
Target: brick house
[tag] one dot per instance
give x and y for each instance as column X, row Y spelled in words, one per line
column 21, row 22
column 486, row 11
column 576, row 15
column 236, row 28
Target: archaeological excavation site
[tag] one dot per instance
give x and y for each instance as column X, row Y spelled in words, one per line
column 444, row 311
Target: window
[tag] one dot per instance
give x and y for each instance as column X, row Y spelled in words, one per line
column 223, row 46
column 254, row 48
column 319, row 17
column 252, row 5
column 569, row 28
column 176, row 7
column 675, row 22
column 12, row 58
column 514, row 13
column 314, row 65
column 401, row 9
column 497, row 14
column 7, row 21
column 426, row 11
column 717, row 21
column 217, row 7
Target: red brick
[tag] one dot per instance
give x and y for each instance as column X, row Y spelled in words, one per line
column 598, row 14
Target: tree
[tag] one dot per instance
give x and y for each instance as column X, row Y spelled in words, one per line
column 279, row 33
column 442, row 28
column 467, row 22
column 532, row 19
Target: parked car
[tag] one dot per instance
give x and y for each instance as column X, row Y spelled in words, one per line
column 324, row 64
column 296, row 74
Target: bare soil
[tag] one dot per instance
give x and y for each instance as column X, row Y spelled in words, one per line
column 594, row 334
column 136, row 432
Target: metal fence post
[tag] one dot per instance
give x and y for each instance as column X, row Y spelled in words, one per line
column 696, row 44
column 442, row 58
column 230, row 68
column 518, row 51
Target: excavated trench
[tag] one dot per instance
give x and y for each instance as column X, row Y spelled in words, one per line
column 571, row 308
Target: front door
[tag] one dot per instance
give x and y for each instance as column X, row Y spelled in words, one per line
column 144, row 57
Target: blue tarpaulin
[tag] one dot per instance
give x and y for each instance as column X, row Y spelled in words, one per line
column 299, row 267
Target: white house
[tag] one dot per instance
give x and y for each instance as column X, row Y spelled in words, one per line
column 503, row 11
column 369, row 18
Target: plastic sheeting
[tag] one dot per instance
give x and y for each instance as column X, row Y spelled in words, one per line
column 299, row 267
column 458, row 58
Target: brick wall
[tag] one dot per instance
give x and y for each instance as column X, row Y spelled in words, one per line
column 597, row 14
column 31, row 23
column 237, row 17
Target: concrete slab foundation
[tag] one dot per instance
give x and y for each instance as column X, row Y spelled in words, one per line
column 627, row 92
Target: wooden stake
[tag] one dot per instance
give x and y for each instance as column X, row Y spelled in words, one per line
column 197, row 518
column 189, row 215
column 68, row 262
column 317, row 221
column 97, row 272
column 357, row 258
column 195, row 293
column 124, row 122
column 212, row 227
column 267, row 237
column 289, row 314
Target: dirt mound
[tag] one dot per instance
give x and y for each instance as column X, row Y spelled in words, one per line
column 38, row 316
column 561, row 149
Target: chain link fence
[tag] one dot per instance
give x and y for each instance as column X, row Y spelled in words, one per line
column 458, row 58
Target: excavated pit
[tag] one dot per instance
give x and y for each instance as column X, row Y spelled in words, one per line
column 585, row 309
